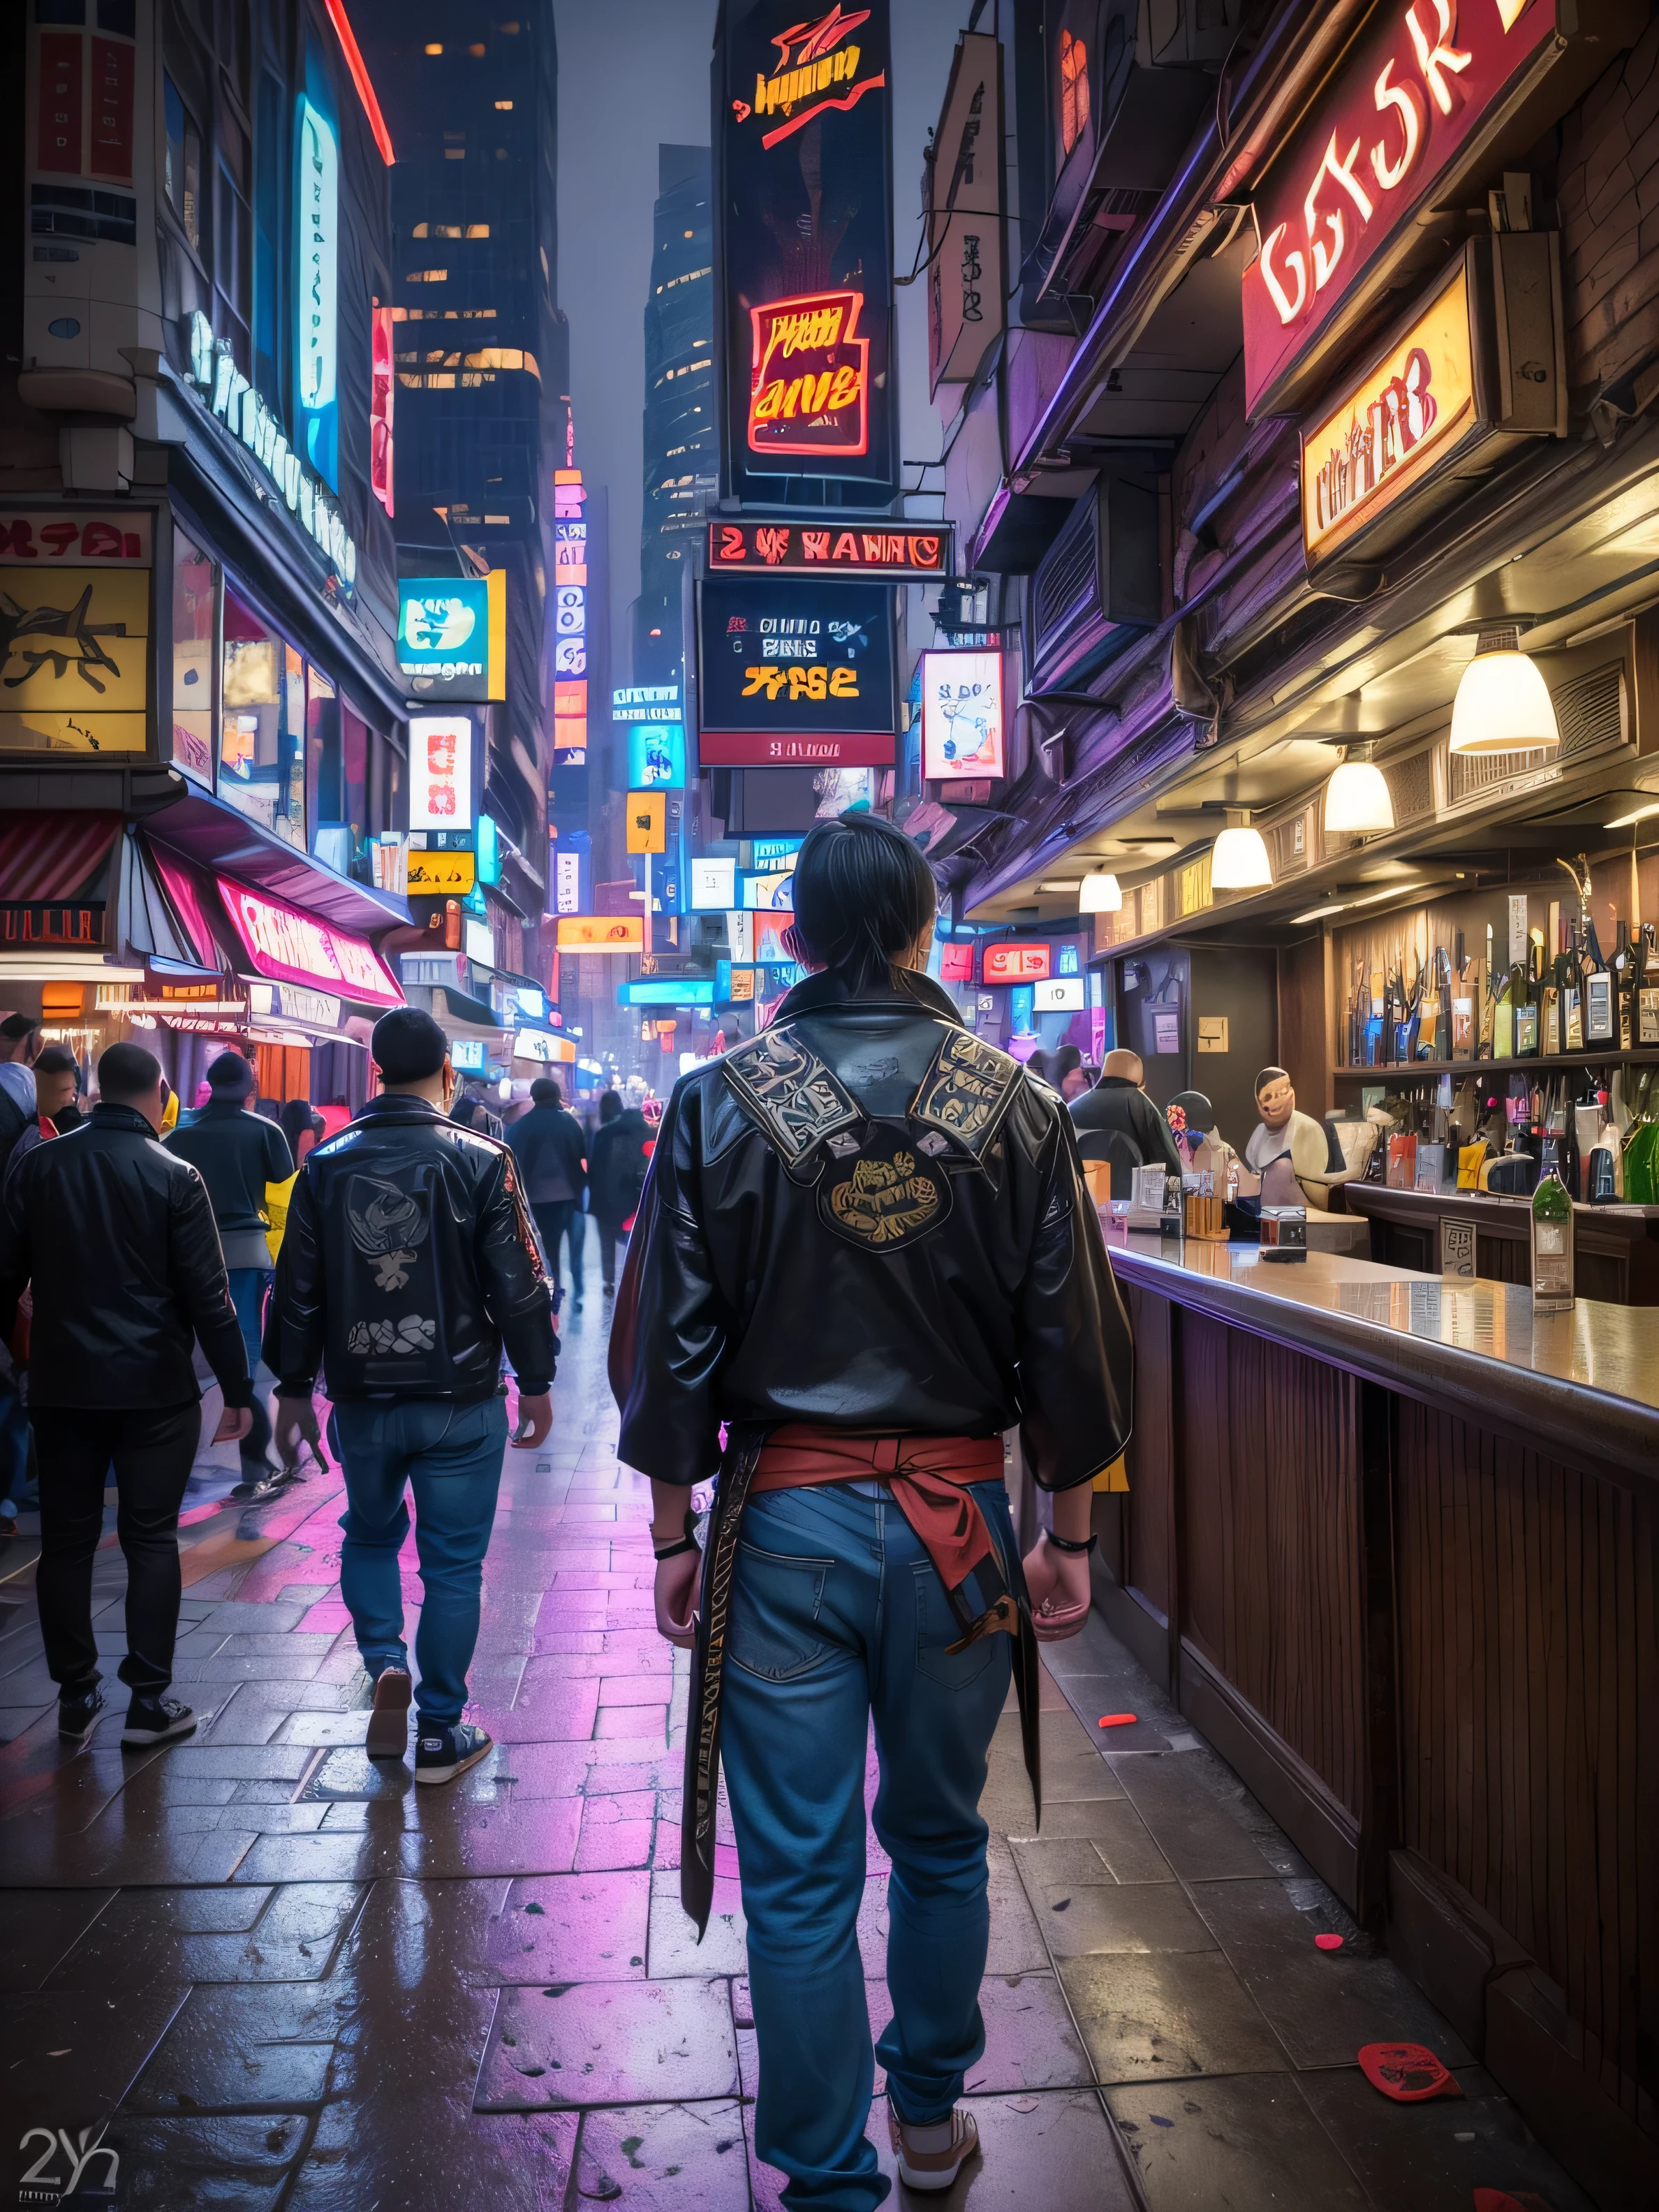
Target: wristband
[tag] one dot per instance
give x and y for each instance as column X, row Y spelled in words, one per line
column 1064, row 1543
column 687, row 1543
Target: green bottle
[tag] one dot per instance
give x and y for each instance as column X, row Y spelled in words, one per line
column 1641, row 1149
column 1552, row 1245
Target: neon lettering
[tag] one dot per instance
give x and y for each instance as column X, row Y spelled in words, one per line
column 1435, row 61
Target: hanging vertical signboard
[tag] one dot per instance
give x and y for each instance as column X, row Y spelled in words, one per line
column 802, row 130
column 966, row 281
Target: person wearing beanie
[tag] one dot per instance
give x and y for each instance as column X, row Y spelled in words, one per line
column 409, row 1264
column 237, row 1152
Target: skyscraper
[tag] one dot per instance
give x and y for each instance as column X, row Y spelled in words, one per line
column 681, row 442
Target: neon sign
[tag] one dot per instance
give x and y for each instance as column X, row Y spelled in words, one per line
column 1018, row 963
column 230, row 397
column 815, row 71
column 802, row 549
column 1421, row 80
column 317, row 228
column 440, row 772
column 569, row 616
column 382, row 389
column 809, row 377
column 293, row 947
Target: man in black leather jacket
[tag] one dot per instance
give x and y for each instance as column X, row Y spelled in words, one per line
column 408, row 1260
column 118, row 1238
column 864, row 1244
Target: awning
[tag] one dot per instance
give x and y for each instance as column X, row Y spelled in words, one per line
column 50, row 856
column 199, row 829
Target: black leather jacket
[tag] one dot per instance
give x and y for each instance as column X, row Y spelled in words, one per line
column 117, row 1234
column 868, row 1218
column 408, row 1260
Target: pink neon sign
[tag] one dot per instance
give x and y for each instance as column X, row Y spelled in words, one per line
column 293, row 947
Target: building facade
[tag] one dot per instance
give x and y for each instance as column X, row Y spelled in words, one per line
column 203, row 777
column 682, row 443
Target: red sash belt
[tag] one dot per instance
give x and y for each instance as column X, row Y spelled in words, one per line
column 926, row 1474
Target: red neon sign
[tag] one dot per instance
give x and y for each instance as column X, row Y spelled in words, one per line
column 382, row 388
column 359, row 68
column 956, row 964
column 295, row 947
column 809, row 377
column 1018, row 963
column 813, row 63
column 795, row 550
column 1418, row 84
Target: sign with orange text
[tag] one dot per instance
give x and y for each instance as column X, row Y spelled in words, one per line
column 601, row 932
column 1402, row 419
column 1382, row 141
column 809, row 376
column 1018, row 963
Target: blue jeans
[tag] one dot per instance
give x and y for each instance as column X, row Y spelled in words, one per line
column 837, row 1612
column 451, row 1457
column 248, row 1286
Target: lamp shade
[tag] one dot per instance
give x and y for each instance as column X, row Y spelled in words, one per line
column 1099, row 894
column 1357, row 798
column 1239, row 862
column 1502, row 704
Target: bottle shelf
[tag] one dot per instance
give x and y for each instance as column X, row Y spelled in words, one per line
column 1592, row 1056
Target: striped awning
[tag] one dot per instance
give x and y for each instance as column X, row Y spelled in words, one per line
column 50, row 856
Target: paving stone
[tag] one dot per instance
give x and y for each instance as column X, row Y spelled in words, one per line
column 674, row 1948
column 72, row 2054
column 585, row 1927
column 1323, row 2004
column 1144, row 1917
column 234, row 2047
column 1195, row 1833
column 443, row 2157
column 1247, row 2142
column 609, row 2043
column 241, row 2164
column 38, row 1926
column 210, row 1934
column 1153, row 2015
column 664, row 2158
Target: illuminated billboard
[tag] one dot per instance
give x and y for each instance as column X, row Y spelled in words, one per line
column 452, row 636
column 656, row 756
column 440, row 772
column 792, row 673
column 962, row 714
column 317, row 244
column 569, row 616
column 804, row 184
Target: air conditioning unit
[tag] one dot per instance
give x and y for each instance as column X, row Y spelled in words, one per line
column 1097, row 588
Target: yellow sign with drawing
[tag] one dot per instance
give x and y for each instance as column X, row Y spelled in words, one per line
column 76, row 650
column 1401, row 419
column 442, row 875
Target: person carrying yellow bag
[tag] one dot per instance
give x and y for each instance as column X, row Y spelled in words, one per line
column 277, row 1195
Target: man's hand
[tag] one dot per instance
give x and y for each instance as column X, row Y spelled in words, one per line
column 1059, row 1582
column 675, row 1594
column 234, row 1423
column 296, row 1424
column 535, row 1420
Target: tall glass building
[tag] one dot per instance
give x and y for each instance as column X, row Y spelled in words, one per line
column 681, row 446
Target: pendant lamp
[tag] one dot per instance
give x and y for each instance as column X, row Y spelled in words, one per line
column 1239, row 858
column 1099, row 894
column 1356, row 801
column 1503, row 703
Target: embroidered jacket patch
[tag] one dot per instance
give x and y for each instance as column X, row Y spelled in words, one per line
column 886, row 1196
column 788, row 1089
column 967, row 1090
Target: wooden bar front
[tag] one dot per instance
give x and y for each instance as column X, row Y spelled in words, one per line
column 1393, row 1548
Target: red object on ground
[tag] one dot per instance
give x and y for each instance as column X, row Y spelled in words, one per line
column 1501, row 2200
column 1329, row 1942
column 1117, row 1720
column 1408, row 2072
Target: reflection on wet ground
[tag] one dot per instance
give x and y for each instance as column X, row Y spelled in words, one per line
column 284, row 1977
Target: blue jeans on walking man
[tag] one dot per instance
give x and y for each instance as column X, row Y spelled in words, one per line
column 248, row 1286
column 450, row 1458
column 838, row 1614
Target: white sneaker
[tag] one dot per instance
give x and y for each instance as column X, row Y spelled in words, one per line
column 932, row 2171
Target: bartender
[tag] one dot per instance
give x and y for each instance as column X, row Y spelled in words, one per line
column 1312, row 1146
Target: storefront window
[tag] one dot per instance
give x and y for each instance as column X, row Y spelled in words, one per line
column 195, row 581
column 260, row 763
column 331, row 834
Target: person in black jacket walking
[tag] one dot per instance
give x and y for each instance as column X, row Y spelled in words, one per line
column 118, row 1238
column 550, row 1149
column 407, row 1261
column 616, row 1175
column 238, row 1153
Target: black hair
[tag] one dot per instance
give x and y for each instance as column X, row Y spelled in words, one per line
column 863, row 895
column 611, row 1106
column 1064, row 1059
column 408, row 1045
column 293, row 1118
column 18, row 1025
column 126, row 1071
column 231, row 1072
column 1270, row 1075
column 57, row 1059
column 544, row 1091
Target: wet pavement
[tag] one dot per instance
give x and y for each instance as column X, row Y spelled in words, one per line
column 274, row 1975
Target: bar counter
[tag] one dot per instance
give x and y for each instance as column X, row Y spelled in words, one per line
column 1392, row 1544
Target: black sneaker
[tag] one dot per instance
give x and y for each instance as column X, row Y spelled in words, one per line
column 156, row 1720
column 388, row 1724
column 441, row 1753
column 78, row 1714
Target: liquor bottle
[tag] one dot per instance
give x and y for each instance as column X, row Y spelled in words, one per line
column 1526, row 1008
column 1412, row 1027
column 1646, row 987
column 1552, row 1246
column 1463, row 1013
column 1572, row 996
column 1602, row 1161
column 1641, row 1148
column 1442, row 1022
column 1502, row 1021
column 1488, row 1003
column 1551, row 1021
column 1598, row 992
column 1623, row 963
column 1569, row 1157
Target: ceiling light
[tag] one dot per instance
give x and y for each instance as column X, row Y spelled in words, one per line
column 1636, row 814
column 1239, row 858
column 1068, row 884
column 1323, row 913
column 1100, row 894
column 1356, row 801
column 1503, row 703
